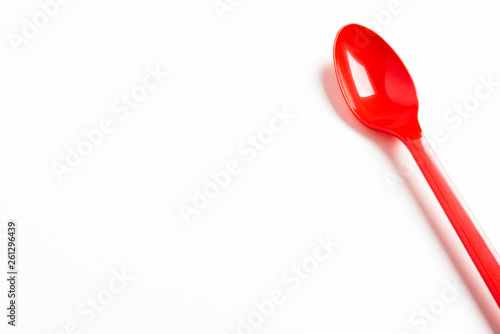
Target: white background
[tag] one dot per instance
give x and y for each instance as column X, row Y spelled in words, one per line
column 323, row 175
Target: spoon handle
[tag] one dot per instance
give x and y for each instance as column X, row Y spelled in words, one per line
column 476, row 243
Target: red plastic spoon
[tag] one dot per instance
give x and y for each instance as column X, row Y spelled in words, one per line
column 380, row 92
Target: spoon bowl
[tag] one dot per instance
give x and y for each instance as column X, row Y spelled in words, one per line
column 375, row 83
